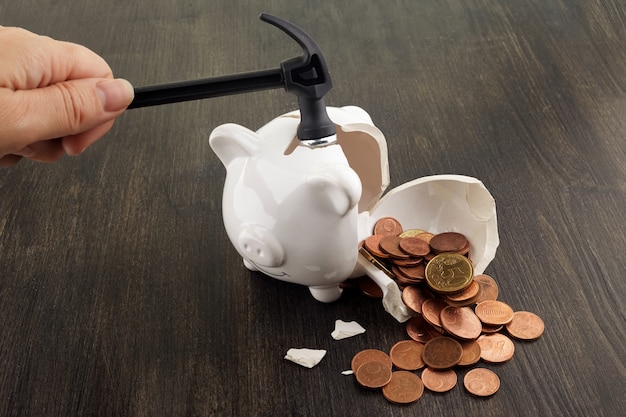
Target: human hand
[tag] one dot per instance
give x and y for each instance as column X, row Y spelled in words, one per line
column 55, row 97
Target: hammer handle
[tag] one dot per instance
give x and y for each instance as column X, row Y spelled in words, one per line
column 155, row 95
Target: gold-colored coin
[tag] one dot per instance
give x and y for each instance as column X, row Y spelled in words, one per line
column 375, row 262
column 448, row 273
column 412, row 232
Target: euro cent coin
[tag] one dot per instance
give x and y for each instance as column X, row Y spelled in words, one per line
column 373, row 375
column 387, row 226
column 442, row 353
column 525, row 326
column 495, row 348
column 405, row 387
column 481, row 382
column 370, row 355
column 448, row 273
column 439, row 381
column 407, row 355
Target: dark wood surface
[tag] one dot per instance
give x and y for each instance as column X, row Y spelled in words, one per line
column 120, row 294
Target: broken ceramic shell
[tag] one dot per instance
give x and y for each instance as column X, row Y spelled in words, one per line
column 442, row 203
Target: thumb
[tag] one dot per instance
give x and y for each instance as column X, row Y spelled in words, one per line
column 61, row 109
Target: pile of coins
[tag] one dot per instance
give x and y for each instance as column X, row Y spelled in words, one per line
column 458, row 319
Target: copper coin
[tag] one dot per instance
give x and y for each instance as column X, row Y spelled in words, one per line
column 488, row 288
column 373, row 374
column 412, row 232
column 464, row 303
column 414, row 296
column 387, row 226
column 403, row 279
column 459, row 303
column 495, row 348
column 390, row 245
column 491, row 329
column 370, row 355
column 525, row 326
column 410, row 261
column 372, row 245
column 414, row 246
column 467, row 294
column 405, row 282
column 405, row 387
column 442, row 353
column 464, row 250
column 431, row 310
column 407, row 355
column 439, row 381
column 461, row 322
column 494, row 312
column 395, row 269
column 370, row 288
column 349, row 284
column 449, row 273
column 471, row 353
column 417, row 272
column 448, row 242
column 481, row 382
column 420, row 330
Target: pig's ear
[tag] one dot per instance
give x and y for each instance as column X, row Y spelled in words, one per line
column 230, row 141
column 338, row 188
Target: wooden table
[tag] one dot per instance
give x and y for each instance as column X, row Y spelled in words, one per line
column 120, row 294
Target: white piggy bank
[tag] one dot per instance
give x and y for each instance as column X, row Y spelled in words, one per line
column 290, row 210
column 297, row 213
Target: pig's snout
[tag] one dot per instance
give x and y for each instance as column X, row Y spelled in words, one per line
column 259, row 245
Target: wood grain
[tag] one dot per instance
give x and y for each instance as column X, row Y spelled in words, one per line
column 120, row 294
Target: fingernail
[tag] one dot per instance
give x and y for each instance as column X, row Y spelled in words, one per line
column 25, row 151
column 115, row 95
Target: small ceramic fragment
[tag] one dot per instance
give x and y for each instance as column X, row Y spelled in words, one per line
column 305, row 357
column 344, row 329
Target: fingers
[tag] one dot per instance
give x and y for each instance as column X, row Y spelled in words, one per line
column 51, row 89
column 64, row 109
column 76, row 144
column 31, row 61
column 44, row 151
column 53, row 149
column 9, row 160
column 72, row 62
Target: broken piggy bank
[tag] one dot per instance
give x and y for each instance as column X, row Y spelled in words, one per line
column 297, row 213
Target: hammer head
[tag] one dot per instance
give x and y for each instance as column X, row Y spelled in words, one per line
column 307, row 77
